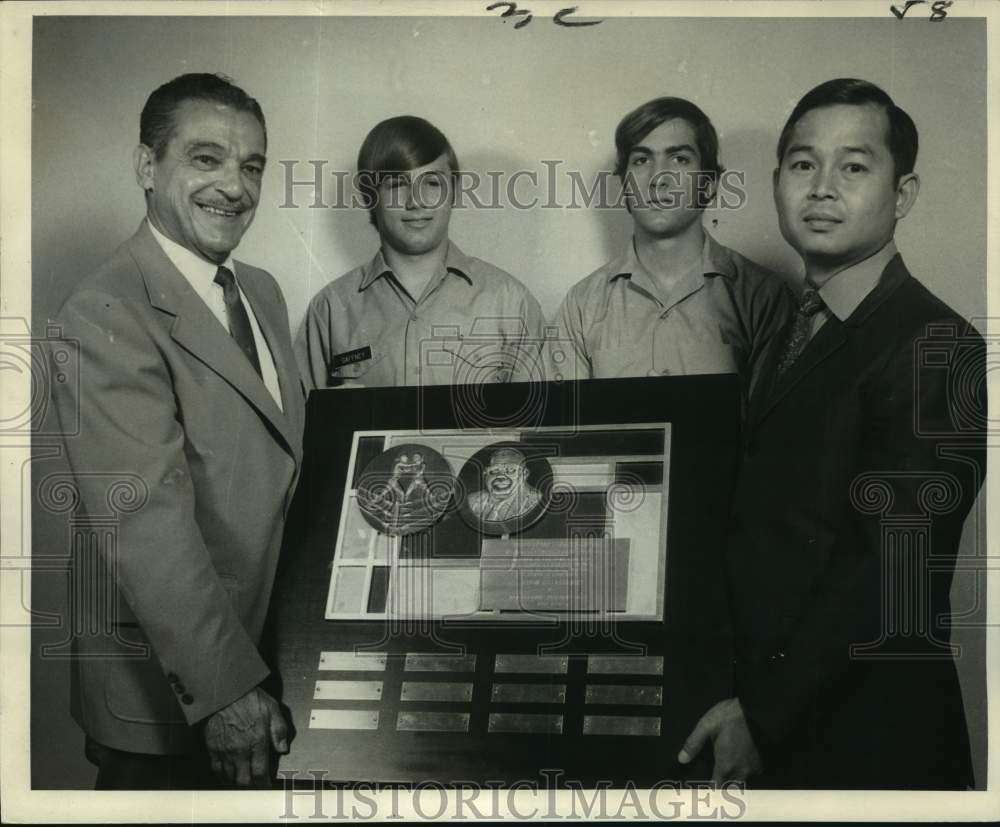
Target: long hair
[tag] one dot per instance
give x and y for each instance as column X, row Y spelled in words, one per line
column 398, row 145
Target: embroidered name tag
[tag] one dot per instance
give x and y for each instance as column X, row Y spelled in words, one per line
column 351, row 357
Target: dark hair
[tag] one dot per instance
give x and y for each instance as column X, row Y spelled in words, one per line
column 902, row 138
column 638, row 123
column 398, row 145
column 156, row 124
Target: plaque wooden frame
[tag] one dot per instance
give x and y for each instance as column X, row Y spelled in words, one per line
column 386, row 703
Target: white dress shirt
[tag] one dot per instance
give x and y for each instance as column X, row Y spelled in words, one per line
column 201, row 276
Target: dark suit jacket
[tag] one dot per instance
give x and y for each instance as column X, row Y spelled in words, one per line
column 864, row 459
column 192, row 464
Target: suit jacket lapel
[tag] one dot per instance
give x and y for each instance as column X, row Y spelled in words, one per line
column 275, row 331
column 197, row 330
column 830, row 338
column 763, row 390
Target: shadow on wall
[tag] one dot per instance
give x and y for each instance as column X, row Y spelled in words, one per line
column 71, row 250
column 751, row 228
column 349, row 234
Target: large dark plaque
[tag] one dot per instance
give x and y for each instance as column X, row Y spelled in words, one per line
column 471, row 599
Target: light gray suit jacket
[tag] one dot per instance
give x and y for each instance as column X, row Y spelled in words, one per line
column 168, row 403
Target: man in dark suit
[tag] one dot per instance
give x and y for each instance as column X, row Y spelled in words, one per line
column 864, row 453
column 189, row 393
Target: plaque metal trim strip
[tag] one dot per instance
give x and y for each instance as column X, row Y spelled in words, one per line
column 522, row 722
column 594, row 476
column 529, row 693
column 352, row 661
column 620, row 725
column 624, row 665
column 435, row 691
column 348, row 691
column 433, row 721
column 539, row 664
column 420, row 662
column 614, row 694
column 343, row 719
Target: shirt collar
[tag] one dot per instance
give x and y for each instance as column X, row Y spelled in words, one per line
column 455, row 262
column 844, row 291
column 715, row 261
column 199, row 273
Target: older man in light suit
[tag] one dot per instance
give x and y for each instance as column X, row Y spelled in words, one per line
column 187, row 381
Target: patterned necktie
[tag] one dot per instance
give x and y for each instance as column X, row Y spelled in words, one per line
column 239, row 321
column 809, row 305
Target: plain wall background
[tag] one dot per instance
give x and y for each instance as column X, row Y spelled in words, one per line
column 508, row 99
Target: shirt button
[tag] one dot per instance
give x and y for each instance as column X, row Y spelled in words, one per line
column 179, row 688
column 665, row 372
column 187, row 700
column 172, row 677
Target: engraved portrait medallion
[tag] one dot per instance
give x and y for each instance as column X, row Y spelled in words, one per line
column 507, row 488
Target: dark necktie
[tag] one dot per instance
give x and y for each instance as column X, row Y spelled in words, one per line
column 798, row 337
column 239, row 321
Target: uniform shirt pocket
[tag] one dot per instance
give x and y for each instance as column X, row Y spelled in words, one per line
column 700, row 356
column 623, row 360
